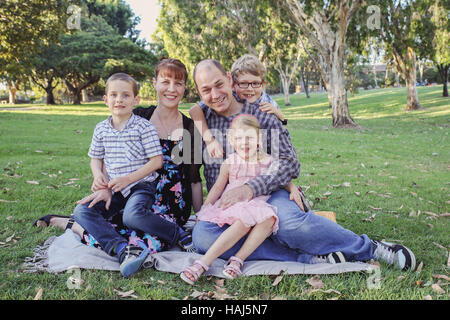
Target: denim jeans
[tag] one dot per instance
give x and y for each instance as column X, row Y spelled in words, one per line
column 301, row 235
column 137, row 215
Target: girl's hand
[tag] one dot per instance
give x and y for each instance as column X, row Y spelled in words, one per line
column 214, row 149
column 99, row 182
column 295, row 196
column 119, row 183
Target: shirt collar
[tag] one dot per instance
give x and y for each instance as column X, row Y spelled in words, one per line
column 131, row 120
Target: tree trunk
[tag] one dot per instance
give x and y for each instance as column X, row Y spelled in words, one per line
column 50, row 96
column 12, row 91
column 338, row 95
column 443, row 71
column 412, row 99
column 285, row 84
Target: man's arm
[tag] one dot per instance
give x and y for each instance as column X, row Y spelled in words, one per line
column 214, row 148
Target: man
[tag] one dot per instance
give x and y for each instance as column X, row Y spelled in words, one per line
column 302, row 236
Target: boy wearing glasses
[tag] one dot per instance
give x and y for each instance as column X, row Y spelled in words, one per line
column 249, row 80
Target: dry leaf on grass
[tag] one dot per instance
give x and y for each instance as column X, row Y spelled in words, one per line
column 437, row 288
column 277, row 280
column 32, row 182
column 127, row 294
column 315, row 282
column 39, row 293
column 441, row 276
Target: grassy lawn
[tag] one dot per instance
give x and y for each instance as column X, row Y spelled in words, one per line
column 389, row 180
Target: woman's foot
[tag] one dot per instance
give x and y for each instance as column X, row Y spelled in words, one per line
column 233, row 268
column 52, row 220
column 192, row 273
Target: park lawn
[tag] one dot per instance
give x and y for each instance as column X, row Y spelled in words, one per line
column 390, row 180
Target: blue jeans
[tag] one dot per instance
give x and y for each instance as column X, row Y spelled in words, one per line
column 137, row 215
column 301, row 235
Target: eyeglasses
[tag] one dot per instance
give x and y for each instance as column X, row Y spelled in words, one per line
column 244, row 85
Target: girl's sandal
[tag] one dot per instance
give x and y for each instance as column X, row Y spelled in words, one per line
column 195, row 271
column 234, row 264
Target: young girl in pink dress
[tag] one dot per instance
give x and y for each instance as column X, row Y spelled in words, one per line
column 256, row 217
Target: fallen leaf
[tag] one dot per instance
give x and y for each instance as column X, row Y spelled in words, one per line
column 346, row 184
column 277, row 280
column 427, row 297
column 441, row 276
column 358, row 193
column 6, row 201
column 315, row 282
column 419, row 268
column 437, row 288
column 10, row 238
column 326, row 194
column 38, row 295
column 373, row 208
column 161, row 282
column 431, row 214
column 127, row 294
column 32, row 182
column 370, row 219
column 447, row 214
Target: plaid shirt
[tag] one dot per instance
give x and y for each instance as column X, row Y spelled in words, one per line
column 285, row 165
column 125, row 151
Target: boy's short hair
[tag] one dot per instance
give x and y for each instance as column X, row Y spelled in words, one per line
column 248, row 64
column 123, row 77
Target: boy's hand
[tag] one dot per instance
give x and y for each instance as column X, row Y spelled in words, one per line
column 295, row 195
column 269, row 108
column 119, row 183
column 100, row 195
column 100, row 182
column 214, row 149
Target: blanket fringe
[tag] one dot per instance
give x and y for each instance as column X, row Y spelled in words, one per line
column 39, row 261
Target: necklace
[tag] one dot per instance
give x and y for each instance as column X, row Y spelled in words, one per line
column 166, row 131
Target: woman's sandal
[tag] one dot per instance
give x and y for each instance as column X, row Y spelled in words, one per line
column 195, row 271
column 234, row 264
column 44, row 221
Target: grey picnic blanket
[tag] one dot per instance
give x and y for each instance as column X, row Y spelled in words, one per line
column 64, row 252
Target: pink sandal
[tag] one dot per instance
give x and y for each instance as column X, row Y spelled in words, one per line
column 234, row 264
column 195, row 271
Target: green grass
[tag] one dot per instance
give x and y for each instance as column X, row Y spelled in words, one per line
column 385, row 180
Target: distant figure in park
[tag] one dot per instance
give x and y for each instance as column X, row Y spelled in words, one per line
column 249, row 80
column 316, row 237
column 255, row 217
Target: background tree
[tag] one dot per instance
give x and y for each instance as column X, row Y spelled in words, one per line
column 24, row 26
column 441, row 40
column 405, row 29
column 325, row 25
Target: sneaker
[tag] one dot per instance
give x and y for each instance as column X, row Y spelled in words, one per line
column 334, row 257
column 185, row 242
column 394, row 254
column 131, row 259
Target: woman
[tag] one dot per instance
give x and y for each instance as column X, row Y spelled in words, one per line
column 179, row 184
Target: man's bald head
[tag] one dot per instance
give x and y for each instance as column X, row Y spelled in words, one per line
column 208, row 64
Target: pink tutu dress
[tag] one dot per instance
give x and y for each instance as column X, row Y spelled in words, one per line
column 249, row 212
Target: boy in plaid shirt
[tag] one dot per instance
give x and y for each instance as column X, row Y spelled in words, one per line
column 129, row 147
